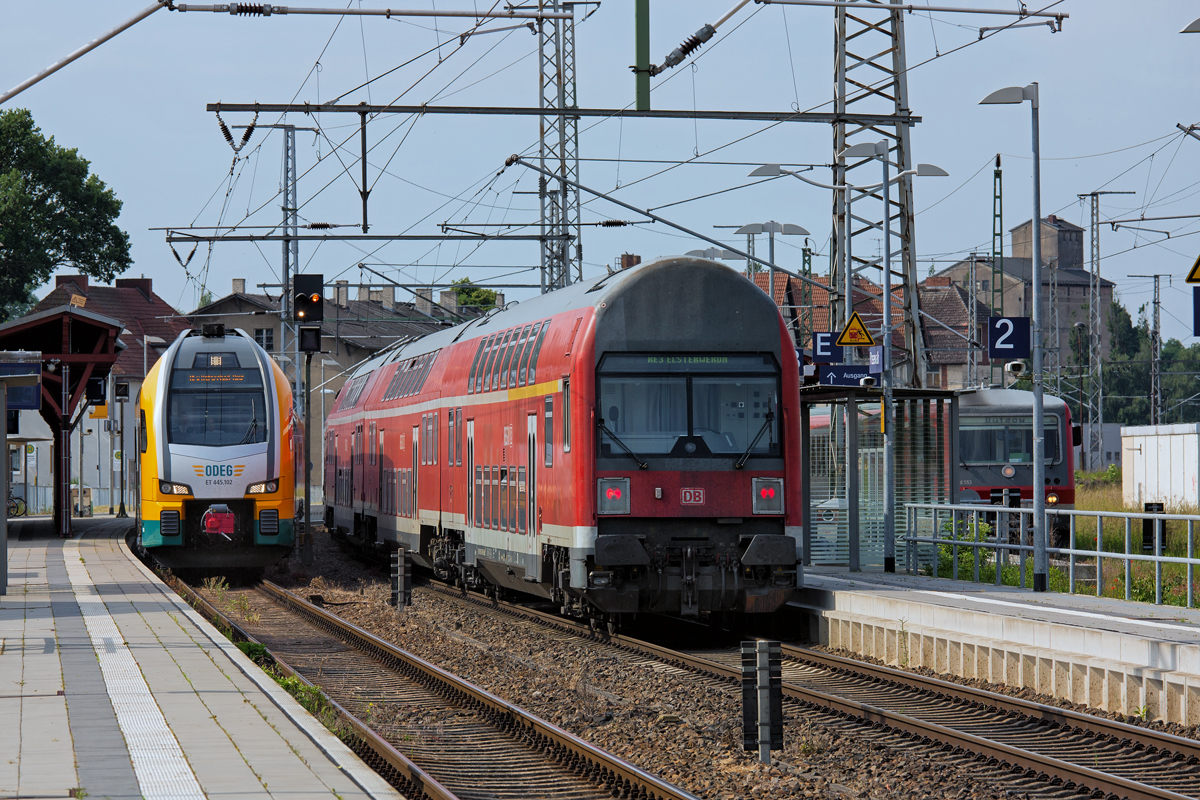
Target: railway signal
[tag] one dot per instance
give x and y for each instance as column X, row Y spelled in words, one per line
column 309, row 305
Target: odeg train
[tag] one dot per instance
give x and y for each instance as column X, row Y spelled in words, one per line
column 623, row 444
column 216, row 458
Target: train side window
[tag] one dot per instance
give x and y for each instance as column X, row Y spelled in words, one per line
column 424, row 442
column 487, row 356
column 537, row 351
column 521, row 500
column 142, row 430
column 501, row 349
column 371, row 442
column 475, row 366
column 548, row 430
column 504, row 499
column 566, row 415
column 450, row 437
column 514, row 367
column 458, row 437
column 495, row 497
column 487, row 497
column 433, row 434
column 512, row 501
column 525, row 378
column 478, row 497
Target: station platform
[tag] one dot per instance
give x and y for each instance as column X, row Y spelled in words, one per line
column 111, row 686
column 1125, row 657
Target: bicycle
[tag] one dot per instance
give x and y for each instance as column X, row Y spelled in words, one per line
column 16, row 507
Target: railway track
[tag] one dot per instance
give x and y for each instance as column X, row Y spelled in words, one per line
column 431, row 733
column 1065, row 750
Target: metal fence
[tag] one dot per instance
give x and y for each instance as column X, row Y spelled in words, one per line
column 942, row 540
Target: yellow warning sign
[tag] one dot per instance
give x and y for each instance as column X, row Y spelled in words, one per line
column 855, row 334
column 1193, row 275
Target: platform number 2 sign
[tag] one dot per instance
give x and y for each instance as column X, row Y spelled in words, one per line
column 1008, row 337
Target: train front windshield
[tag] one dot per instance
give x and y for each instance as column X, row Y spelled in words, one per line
column 651, row 401
column 1005, row 440
column 216, row 406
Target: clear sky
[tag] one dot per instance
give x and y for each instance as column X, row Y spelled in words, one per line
column 1114, row 83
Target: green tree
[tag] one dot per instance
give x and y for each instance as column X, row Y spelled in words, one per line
column 53, row 213
column 475, row 296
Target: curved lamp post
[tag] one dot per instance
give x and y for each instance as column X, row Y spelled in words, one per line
column 875, row 150
column 1016, row 95
column 771, row 228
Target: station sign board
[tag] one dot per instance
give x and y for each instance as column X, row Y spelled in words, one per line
column 844, row 374
column 1009, row 338
column 25, row 367
column 824, row 349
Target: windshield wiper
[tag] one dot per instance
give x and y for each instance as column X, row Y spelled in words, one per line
column 249, row 437
column 741, row 462
column 641, row 464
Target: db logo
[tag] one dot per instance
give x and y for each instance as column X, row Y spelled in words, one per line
column 691, row 497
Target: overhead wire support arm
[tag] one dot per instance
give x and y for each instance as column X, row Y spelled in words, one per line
column 910, row 8
column 358, row 237
column 515, row 159
column 522, row 111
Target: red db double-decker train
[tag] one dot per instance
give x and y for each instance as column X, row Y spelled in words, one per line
column 624, row 444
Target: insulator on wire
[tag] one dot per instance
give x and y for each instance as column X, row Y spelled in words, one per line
column 614, row 223
column 249, row 132
column 225, row 130
column 183, row 262
column 250, row 9
column 319, row 226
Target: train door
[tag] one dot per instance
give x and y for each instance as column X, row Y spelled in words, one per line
column 531, row 459
column 470, row 472
column 357, row 488
column 413, row 507
column 381, row 506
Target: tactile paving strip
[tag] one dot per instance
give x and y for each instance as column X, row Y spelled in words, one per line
column 158, row 762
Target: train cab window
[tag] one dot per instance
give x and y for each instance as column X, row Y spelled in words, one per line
column 142, row 430
column 688, row 406
column 537, row 351
column 1005, row 439
column 566, row 415
column 548, row 431
column 514, row 368
column 524, row 377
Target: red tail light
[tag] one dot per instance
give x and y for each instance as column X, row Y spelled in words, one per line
column 613, row 493
column 767, row 494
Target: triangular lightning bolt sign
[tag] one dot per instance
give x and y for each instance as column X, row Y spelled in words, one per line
column 1193, row 275
column 855, row 334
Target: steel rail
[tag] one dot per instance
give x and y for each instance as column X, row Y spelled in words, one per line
column 1043, row 766
column 592, row 755
column 1190, row 748
column 413, row 781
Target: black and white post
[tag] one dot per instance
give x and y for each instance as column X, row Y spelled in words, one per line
column 762, row 698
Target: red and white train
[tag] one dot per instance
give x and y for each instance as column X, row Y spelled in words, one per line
column 623, row 444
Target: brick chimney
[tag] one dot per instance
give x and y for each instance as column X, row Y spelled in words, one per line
column 937, row 280
column 364, row 294
column 143, row 285
column 449, row 300
column 425, row 301
column 343, row 293
column 387, row 296
column 239, row 285
column 630, row 260
column 499, row 299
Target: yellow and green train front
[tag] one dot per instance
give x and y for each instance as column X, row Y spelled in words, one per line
column 217, row 478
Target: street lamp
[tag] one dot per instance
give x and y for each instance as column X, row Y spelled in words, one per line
column 878, row 150
column 713, row 253
column 1192, row 28
column 771, row 228
column 1016, row 95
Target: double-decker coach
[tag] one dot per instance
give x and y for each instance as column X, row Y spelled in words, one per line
column 623, row 444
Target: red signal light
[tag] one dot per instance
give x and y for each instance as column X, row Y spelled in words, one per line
column 767, row 493
column 613, row 493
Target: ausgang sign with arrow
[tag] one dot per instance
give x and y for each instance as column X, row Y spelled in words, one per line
column 855, row 334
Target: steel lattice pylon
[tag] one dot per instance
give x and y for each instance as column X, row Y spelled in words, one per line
column 1095, row 376
column 870, row 76
column 559, row 152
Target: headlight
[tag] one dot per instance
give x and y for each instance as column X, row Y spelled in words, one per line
column 266, row 487
column 174, row 488
column 1052, row 499
column 768, row 495
column 1008, row 470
